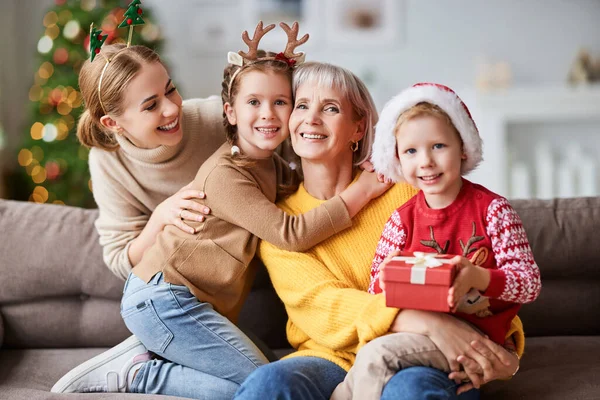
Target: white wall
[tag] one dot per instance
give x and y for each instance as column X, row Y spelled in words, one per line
column 441, row 41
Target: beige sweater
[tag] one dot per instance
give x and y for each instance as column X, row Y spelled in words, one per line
column 129, row 183
column 215, row 262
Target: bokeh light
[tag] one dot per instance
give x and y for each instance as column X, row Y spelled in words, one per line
column 36, row 131
column 45, row 44
column 25, row 157
column 71, row 29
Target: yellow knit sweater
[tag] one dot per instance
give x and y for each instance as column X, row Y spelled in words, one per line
column 324, row 289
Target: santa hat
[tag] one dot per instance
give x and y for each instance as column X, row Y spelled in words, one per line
column 384, row 157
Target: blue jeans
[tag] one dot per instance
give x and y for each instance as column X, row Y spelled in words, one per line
column 424, row 383
column 312, row 378
column 206, row 356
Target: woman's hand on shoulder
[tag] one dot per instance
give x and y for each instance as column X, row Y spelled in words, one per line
column 182, row 207
column 371, row 185
column 486, row 362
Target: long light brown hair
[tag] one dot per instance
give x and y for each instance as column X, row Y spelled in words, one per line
column 120, row 71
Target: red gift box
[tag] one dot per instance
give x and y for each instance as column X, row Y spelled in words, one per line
column 419, row 281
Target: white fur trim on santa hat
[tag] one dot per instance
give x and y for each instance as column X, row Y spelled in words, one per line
column 384, row 156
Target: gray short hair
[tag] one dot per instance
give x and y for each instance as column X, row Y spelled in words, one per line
column 350, row 85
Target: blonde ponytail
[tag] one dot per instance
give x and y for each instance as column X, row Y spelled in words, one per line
column 92, row 135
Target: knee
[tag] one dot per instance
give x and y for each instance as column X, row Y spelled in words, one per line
column 268, row 381
column 419, row 383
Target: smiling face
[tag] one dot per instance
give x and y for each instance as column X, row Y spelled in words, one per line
column 261, row 111
column 323, row 125
column 152, row 109
column 431, row 155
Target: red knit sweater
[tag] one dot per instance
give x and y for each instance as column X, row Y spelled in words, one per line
column 514, row 275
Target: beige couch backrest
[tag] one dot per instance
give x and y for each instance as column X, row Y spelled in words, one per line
column 55, row 290
column 564, row 234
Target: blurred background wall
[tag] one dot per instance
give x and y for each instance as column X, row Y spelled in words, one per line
column 507, row 58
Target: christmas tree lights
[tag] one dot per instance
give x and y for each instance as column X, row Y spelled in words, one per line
column 54, row 164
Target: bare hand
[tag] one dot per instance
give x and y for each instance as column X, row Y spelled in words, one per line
column 469, row 276
column 367, row 166
column 453, row 337
column 182, row 207
column 382, row 266
column 486, row 362
column 372, row 187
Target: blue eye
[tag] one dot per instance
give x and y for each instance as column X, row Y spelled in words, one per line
column 439, row 146
column 411, row 151
column 301, row 107
column 333, row 109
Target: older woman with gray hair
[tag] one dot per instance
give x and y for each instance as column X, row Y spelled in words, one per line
column 331, row 315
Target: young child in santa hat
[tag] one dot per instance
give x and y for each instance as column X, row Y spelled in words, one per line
column 427, row 137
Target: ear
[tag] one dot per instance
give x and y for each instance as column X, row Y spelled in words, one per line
column 230, row 113
column 109, row 123
column 360, row 130
column 463, row 156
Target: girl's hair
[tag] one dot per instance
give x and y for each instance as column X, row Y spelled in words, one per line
column 122, row 68
column 426, row 109
column 353, row 89
column 231, row 89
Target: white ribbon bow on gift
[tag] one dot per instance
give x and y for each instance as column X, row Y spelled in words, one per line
column 421, row 262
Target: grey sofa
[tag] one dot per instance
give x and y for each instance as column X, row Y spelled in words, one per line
column 59, row 304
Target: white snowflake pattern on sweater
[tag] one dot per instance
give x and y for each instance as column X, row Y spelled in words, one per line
column 392, row 238
column 513, row 253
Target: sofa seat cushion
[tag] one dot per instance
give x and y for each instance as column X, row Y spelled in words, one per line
column 557, row 367
column 29, row 374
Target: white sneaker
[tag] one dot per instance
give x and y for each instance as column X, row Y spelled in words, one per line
column 110, row 371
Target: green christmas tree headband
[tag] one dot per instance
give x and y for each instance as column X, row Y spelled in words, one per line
column 243, row 59
column 132, row 17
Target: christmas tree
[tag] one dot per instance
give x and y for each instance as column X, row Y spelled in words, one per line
column 54, row 164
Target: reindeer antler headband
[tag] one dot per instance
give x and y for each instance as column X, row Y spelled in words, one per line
column 243, row 59
column 133, row 16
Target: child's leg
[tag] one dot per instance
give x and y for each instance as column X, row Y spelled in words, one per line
column 172, row 323
column 381, row 358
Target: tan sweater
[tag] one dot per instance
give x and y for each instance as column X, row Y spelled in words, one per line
column 215, row 262
column 129, row 183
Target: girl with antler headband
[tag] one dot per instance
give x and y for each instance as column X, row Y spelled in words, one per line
column 182, row 297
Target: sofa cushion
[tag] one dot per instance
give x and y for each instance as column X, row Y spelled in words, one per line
column 52, row 251
column 562, row 237
column 557, row 367
column 64, row 322
column 552, row 368
column 29, row 374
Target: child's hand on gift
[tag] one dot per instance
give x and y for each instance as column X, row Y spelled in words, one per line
column 469, row 276
column 385, row 261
